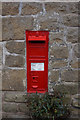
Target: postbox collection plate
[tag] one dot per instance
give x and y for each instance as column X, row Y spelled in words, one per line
column 37, row 61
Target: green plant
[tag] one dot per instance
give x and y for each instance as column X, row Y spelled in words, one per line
column 48, row 106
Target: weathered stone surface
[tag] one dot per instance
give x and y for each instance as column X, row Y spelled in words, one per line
column 10, row 107
column 10, row 8
column 70, row 20
column 14, row 61
column 49, row 23
column 18, row 97
column 15, row 115
column 31, row 8
column 56, row 37
column 0, row 8
column 76, row 103
column 0, row 29
column 75, row 64
column 69, row 76
column 72, row 35
column 0, row 80
column 58, row 64
column 68, row 88
column 14, row 27
column 16, row 47
column 59, row 51
column 23, row 108
column 77, row 50
column 0, row 55
column 54, row 76
column 15, row 107
column 75, row 113
column 76, row 96
column 73, row 7
column 13, row 79
column 56, row 7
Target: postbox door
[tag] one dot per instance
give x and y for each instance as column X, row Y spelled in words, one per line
column 37, row 76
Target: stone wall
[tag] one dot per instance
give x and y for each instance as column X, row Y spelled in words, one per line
column 61, row 20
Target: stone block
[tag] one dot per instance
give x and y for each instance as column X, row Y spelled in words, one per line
column 59, row 64
column 49, row 24
column 75, row 64
column 70, row 20
column 0, row 29
column 31, row 8
column 13, row 28
column 14, row 61
column 76, row 103
column 57, row 37
column 54, row 76
column 77, row 50
column 23, row 108
column 15, row 116
column 13, row 79
column 16, row 47
column 0, row 8
column 67, row 88
column 0, row 80
column 18, row 97
column 10, row 107
column 73, row 7
column 72, row 35
column 0, row 55
column 60, row 52
column 60, row 7
column 75, row 114
column 10, row 8
column 69, row 75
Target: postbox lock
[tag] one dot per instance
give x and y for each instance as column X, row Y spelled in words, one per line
column 37, row 61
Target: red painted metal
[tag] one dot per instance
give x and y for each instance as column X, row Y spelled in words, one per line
column 37, row 61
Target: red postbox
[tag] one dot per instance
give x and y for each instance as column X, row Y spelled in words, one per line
column 37, row 61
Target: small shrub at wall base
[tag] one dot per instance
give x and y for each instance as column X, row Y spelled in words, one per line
column 48, row 107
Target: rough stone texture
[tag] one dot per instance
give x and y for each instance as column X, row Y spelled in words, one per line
column 58, row 64
column 77, row 50
column 70, row 75
column 14, row 61
column 13, row 79
column 10, row 8
column 56, row 37
column 70, row 20
column 14, row 27
column 15, row 115
column 68, row 88
column 73, row 7
column 72, row 35
column 75, row 64
column 10, row 107
column 49, row 23
column 31, row 8
column 16, row 47
column 0, row 55
column 0, row 29
column 23, row 108
column 0, row 8
column 76, row 103
column 59, row 52
column 54, row 76
column 0, row 80
column 56, row 7
column 18, row 97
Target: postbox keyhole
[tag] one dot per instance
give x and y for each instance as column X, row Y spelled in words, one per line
column 33, row 77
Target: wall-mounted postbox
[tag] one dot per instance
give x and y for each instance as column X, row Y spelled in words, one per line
column 37, row 61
